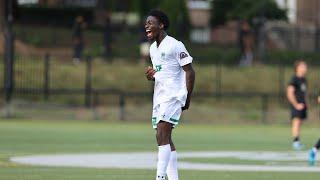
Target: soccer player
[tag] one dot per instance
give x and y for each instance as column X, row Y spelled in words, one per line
column 174, row 79
column 296, row 94
column 314, row 150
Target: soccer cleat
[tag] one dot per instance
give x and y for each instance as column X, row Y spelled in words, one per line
column 297, row 146
column 312, row 157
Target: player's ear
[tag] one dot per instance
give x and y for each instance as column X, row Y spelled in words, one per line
column 161, row 26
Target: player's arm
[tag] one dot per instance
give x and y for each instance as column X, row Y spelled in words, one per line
column 307, row 96
column 190, row 79
column 319, row 99
column 149, row 72
column 292, row 99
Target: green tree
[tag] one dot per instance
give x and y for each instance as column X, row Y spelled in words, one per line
column 224, row 10
column 176, row 10
column 144, row 6
column 178, row 14
column 1, row 15
column 1, row 25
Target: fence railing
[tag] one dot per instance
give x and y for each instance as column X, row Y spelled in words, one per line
column 92, row 99
column 221, row 80
column 91, row 95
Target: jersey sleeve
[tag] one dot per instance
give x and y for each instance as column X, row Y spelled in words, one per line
column 182, row 54
column 293, row 82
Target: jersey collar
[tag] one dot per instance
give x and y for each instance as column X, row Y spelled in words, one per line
column 161, row 41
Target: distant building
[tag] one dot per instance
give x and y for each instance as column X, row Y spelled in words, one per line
column 308, row 12
column 291, row 7
column 25, row 2
column 199, row 13
column 80, row 3
column 50, row 3
column 305, row 12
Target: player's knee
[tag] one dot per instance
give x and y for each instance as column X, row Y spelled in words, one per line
column 162, row 137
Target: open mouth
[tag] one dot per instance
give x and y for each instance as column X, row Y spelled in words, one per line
column 149, row 33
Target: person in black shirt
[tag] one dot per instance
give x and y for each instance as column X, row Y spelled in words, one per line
column 107, row 40
column 296, row 94
column 78, row 40
column 246, row 41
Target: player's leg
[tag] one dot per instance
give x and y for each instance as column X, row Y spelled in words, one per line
column 164, row 130
column 296, row 126
column 313, row 153
column 172, row 169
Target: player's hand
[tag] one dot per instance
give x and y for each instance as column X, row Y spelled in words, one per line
column 186, row 106
column 150, row 73
column 300, row 106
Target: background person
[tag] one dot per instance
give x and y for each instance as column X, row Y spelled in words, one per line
column 246, row 41
column 77, row 38
column 296, row 94
column 107, row 41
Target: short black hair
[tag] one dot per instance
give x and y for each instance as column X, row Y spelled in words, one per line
column 161, row 16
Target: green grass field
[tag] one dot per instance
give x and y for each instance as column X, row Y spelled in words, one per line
column 26, row 137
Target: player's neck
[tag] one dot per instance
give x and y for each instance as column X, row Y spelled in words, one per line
column 161, row 36
column 300, row 75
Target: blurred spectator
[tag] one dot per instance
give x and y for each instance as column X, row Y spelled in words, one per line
column 77, row 37
column 297, row 96
column 246, row 44
column 107, row 41
column 144, row 45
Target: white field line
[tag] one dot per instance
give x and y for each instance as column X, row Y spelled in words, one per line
column 147, row 160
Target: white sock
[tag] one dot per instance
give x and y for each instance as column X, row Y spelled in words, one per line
column 172, row 169
column 315, row 150
column 163, row 161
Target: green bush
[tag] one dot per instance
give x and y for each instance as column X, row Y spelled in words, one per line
column 53, row 16
column 178, row 15
column 289, row 57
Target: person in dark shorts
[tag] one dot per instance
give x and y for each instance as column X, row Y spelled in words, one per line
column 313, row 151
column 107, row 41
column 78, row 40
column 296, row 94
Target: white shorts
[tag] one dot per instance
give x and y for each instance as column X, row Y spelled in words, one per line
column 168, row 111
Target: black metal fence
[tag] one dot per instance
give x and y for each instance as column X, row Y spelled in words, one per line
column 34, row 80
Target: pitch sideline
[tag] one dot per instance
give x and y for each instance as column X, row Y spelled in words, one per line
column 147, row 160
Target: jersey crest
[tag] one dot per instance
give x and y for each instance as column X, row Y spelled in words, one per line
column 183, row 55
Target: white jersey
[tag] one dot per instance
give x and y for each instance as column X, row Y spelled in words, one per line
column 170, row 78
